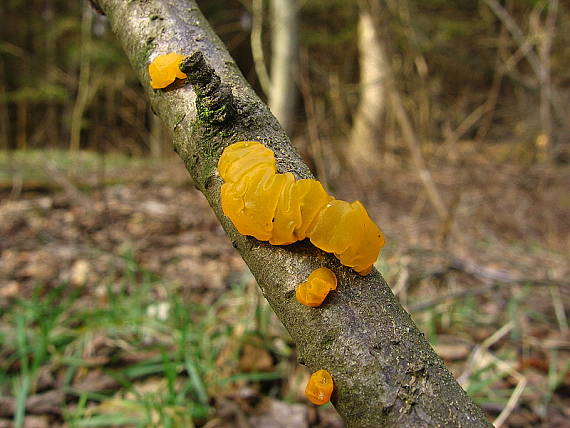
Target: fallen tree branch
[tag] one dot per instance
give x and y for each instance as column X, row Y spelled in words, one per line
column 385, row 372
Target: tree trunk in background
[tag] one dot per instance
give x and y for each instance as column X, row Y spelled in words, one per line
column 378, row 85
column 4, row 119
column 52, row 122
column 385, row 372
column 544, row 54
column 284, row 57
column 366, row 134
column 82, row 98
column 22, row 125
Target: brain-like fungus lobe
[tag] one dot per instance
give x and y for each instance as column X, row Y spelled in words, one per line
column 314, row 291
column 277, row 208
column 164, row 70
column 320, row 387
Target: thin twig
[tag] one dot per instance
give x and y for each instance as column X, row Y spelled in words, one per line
column 415, row 150
column 495, row 89
column 529, row 53
column 480, row 357
column 512, row 404
column 559, row 309
column 471, row 120
column 515, row 31
column 475, row 358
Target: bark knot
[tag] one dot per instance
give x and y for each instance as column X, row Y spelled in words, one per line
column 215, row 102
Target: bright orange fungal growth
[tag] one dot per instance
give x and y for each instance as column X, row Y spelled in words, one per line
column 242, row 157
column 277, row 208
column 320, row 387
column 346, row 230
column 314, row 291
column 164, row 69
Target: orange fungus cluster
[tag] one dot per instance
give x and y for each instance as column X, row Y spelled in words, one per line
column 314, row 291
column 320, row 387
column 164, row 69
column 277, row 208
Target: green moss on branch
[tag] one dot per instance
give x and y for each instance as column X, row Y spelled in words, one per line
column 214, row 101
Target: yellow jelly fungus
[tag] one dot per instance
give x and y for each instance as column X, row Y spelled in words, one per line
column 164, row 69
column 249, row 206
column 314, row 291
column 287, row 215
column 277, row 208
column 346, row 230
column 320, row 387
column 240, row 158
column 311, row 197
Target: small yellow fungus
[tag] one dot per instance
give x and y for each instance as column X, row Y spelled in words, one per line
column 164, row 69
column 320, row 387
column 314, row 291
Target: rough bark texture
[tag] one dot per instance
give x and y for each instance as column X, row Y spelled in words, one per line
column 385, row 372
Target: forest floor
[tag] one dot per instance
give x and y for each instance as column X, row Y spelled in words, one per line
column 122, row 302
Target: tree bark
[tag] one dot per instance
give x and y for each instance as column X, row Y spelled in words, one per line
column 385, row 372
